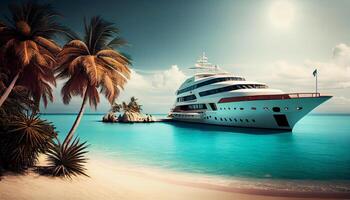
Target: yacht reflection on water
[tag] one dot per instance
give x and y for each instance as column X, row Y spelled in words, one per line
column 227, row 129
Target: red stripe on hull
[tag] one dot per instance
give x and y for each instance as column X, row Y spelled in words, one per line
column 269, row 97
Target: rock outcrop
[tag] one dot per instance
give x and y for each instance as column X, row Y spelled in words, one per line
column 128, row 117
column 109, row 117
column 131, row 113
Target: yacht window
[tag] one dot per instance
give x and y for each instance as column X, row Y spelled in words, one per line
column 241, row 120
column 276, row 109
column 241, row 108
column 213, row 106
column 208, row 82
column 299, row 108
column 253, row 108
column 235, row 120
column 216, row 118
column 246, row 120
column 190, row 107
column 186, row 98
column 230, row 119
column 230, row 88
column 253, row 120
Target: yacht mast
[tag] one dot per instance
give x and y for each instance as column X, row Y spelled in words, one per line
column 203, row 65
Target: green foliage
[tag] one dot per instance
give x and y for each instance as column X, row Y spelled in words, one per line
column 67, row 161
column 23, row 139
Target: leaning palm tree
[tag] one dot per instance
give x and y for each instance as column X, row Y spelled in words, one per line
column 27, row 48
column 91, row 63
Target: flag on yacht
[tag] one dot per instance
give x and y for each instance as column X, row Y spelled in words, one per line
column 315, row 72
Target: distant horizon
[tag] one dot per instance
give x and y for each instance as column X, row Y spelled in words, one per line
column 279, row 43
column 103, row 113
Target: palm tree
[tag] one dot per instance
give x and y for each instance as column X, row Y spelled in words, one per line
column 28, row 51
column 92, row 63
column 134, row 106
column 116, row 107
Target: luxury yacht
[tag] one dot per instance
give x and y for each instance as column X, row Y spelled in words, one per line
column 212, row 96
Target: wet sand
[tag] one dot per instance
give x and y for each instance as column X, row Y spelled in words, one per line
column 117, row 180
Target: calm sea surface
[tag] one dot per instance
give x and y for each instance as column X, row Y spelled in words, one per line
column 317, row 149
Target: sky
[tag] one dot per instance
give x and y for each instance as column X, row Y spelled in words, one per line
column 277, row 42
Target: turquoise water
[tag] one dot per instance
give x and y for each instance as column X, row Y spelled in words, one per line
column 317, row 149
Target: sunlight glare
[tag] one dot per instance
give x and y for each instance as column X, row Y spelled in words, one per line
column 282, row 13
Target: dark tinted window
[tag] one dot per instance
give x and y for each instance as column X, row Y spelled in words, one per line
column 230, row 88
column 208, row 82
column 213, row 106
column 186, row 98
column 190, row 107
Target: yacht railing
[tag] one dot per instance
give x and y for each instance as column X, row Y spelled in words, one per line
column 303, row 95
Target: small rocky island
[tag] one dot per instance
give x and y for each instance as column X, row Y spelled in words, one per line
column 128, row 113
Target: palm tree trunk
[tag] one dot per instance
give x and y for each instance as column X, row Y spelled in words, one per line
column 76, row 122
column 8, row 89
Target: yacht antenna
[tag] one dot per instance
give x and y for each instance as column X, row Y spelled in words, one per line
column 203, row 64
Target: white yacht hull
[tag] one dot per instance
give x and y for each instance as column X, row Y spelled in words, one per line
column 256, row 113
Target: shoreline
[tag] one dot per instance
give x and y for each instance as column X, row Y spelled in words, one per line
column 253, row 186
column 105, row 174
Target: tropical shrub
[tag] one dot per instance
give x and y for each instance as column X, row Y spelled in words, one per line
column 67, row 160
column 23, row 139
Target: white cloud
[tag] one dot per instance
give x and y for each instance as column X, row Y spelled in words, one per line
column 137, row 81
column 168, row 79
column 155, row 90
column 333, row 77
column 341, row 55
column 341, row 100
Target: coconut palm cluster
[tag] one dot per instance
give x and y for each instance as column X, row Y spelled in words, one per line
column 31, row 60
column 128, row 113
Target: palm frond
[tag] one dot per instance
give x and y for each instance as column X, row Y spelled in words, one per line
column 117, row 43
column 41, row 18
column 26, row 40
column 98, row 32
column 23, row 139
column 67, row 161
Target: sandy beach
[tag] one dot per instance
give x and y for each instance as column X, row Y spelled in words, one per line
column 111, row 180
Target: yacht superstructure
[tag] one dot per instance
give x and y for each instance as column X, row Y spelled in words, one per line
column 212, row 96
